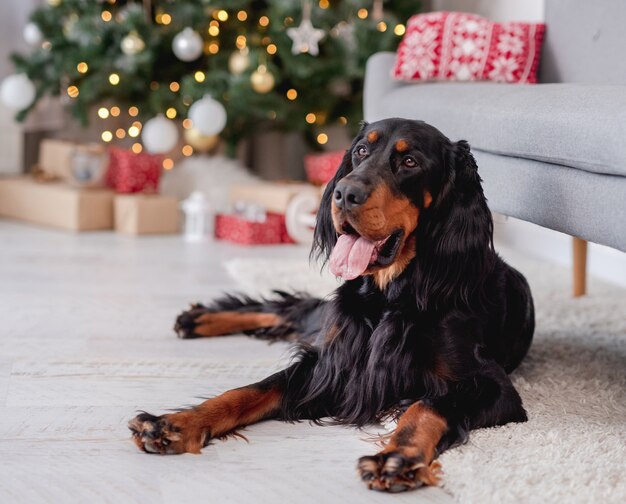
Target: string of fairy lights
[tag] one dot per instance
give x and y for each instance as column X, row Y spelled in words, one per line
column 261, row 79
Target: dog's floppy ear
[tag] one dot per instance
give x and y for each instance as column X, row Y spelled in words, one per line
column 455, row 245
column 325, row 236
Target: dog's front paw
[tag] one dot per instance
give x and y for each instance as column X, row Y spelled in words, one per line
column 395, row 472
column 166, row 434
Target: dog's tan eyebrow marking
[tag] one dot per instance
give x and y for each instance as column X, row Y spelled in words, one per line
column 402, row 145
column 372, row 136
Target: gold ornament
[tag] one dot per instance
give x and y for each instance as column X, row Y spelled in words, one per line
column 200, row 143
column 132, row 44
column 239, row 61
column 262, row 81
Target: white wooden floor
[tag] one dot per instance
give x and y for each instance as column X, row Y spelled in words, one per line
column 86, row 340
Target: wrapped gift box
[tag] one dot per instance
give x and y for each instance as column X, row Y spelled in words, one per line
column 321, row 168
column 138, row 214
column 272, row 196
column 55, row 158
column 129, row 172
column 237, row 229
column 56, row 204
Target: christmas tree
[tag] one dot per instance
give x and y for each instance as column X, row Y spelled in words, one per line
column 278, row 64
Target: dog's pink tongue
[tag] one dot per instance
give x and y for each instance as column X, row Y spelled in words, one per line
column 351, row 256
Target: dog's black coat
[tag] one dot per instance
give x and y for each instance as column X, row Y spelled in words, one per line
column 446, row 331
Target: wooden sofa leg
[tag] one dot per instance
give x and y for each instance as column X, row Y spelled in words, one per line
column 579, row 250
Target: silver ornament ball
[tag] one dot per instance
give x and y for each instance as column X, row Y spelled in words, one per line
column 187, row 45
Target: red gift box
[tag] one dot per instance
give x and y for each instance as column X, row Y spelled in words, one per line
column 321, row 168
column 236, row 229
column 130, row 173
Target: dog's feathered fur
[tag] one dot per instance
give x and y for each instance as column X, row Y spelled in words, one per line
column 443, row 331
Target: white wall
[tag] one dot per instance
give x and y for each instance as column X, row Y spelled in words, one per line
column 496, row 10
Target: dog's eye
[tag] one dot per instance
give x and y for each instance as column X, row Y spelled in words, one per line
column 362, row 151
column 409, row 162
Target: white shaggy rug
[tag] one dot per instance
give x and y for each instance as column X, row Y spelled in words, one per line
column 573, row 384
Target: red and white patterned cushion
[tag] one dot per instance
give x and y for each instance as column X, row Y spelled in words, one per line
column 466, row 47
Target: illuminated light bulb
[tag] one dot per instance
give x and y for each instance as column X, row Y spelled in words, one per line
column 106, row 16
column 271, row 49
column 106, row 136
column 133, row 111
column 187, row 123
column 241, row 42
column 187, row 150
column 324, row 4
column 137, row 148
column 120, row 133
column 310, row 118
column 174, row 87
column 242, row 15
column 199, row 76
column 168, row 164
column 170, row 113
column 166, row 19
column 382, row 26
column 214, row 31
column 103, row 113
column 72, row 91
column 133, row 132
column 292, row 94
column 214, row 48
column 114, row 79
column 82, row 67
column 362, row 13
column 322, row 138
column 264, row 21
column 137, row 124
column 222, row 15
column 115, row 111
column 399, row 29
column 214, row 23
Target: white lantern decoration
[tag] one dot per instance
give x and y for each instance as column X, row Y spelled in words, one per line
column 17, row 91
column 198, row 225
column 32, row 34
column 187, row 45
column 208, row 116
column 159, row 135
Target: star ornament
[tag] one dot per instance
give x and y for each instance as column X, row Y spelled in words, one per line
column 305, row 38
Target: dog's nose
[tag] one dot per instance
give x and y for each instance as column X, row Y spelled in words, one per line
column 349, row 195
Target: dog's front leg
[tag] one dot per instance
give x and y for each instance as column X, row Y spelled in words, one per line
column 189, row 430
column 427, row 428
column 408, row 460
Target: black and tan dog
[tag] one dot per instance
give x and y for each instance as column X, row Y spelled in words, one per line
column 426, row 326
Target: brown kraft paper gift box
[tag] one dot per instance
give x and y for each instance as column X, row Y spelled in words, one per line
column 272, row 196
column 137, row 214
column 56, row 204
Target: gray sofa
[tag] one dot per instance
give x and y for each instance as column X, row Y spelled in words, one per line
column 553, row 153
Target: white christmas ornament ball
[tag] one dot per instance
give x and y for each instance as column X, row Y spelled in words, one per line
column 187, row 45
column 132, row 44
column 17, row 91
column 208, row 116
column 32, row 34
column 159, row 135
